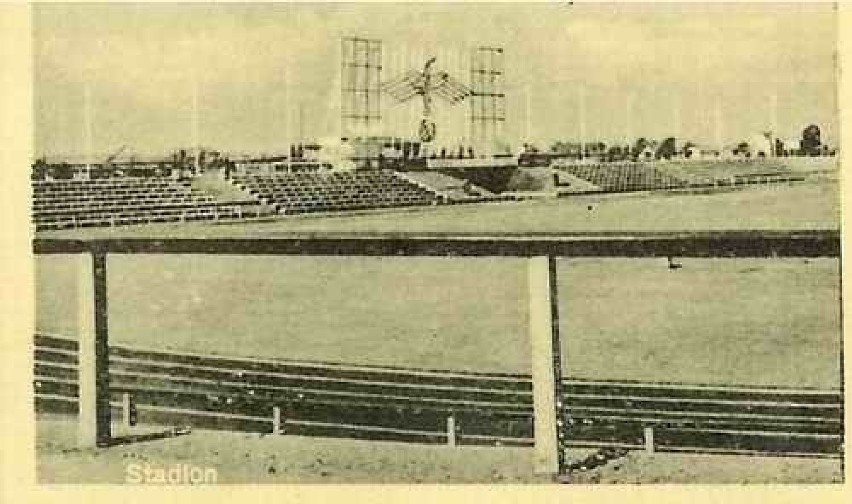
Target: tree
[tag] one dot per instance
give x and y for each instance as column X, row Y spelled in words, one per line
column 778, row 148
column 39, row 169
column 614, row 153
column 640, row 145
column 667, row 149
column 742, row 148
column 810, row 140
column 61, row 171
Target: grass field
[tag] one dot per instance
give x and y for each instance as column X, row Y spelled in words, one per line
column 724, row 321
column 710, row 322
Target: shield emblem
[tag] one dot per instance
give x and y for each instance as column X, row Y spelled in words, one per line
column 427, row 130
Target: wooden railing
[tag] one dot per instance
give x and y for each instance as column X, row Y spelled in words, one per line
column 281, row 396
column 552, row 418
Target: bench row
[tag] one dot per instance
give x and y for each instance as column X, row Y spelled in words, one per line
column 103, row 187
column 121, row 200
column 359, row 197
column 128, row 212
column 209, row 213
column 312, row 176
column 122, row 208
column 110, row 194
column 317, row 185
column 352, row 200
column 359, row 206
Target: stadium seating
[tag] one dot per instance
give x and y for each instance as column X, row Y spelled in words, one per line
column 88, row 203
column 624, row 177
column 451, row 189
column 296, row 193
column 733, row 172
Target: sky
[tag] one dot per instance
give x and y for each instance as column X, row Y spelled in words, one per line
column 612, row 72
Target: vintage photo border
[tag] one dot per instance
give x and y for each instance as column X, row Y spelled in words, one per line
column 17, row 454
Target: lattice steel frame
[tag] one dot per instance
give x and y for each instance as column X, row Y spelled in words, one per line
column 487, row 99
column 360, row 85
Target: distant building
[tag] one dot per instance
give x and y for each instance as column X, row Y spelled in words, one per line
column 790, row 146
column 648, row 153
column 760, row 145
column 702, row 153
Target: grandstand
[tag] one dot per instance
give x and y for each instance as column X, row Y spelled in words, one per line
column 452, row 189
column 120, row 201
column 619, row 177
column 625, row 177
column 741, row 172
column 296, row 193
column 69, row 204
column 111, row 202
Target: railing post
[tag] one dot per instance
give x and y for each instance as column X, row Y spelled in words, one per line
column 128, row 410
column 276, row 420
column 649, row 440
column 549, row 453
column 93, row 352
column 451, row 430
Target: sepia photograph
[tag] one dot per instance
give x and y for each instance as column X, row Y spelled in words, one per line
column 440, row 243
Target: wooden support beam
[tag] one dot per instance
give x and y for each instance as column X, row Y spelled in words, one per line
column 94, row 407
column 649, row 440
column 546, row 365
column 128, row 410
column 277, row 425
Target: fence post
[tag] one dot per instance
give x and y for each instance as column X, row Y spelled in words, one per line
column 128, row 408
column 93, row 369
column 276, row 420
column 649, row 440
column 546, row 365
column 451, row 430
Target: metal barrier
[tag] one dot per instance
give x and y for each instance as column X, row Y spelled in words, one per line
column 541, row 250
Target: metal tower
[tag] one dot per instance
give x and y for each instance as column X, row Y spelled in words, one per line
column 487, row 99
column 360, row 85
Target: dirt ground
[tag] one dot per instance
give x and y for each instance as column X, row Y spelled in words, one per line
column 252, row 458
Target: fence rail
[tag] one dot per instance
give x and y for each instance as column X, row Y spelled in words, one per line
column 545, row 415
column 412, row 405
column 820, row 243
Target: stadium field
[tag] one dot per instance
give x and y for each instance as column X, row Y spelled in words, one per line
column 724, row 321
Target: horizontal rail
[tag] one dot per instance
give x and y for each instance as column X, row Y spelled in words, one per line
column 806, row 243
column 394, row 404
column 61, row 349
column 54, row 345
